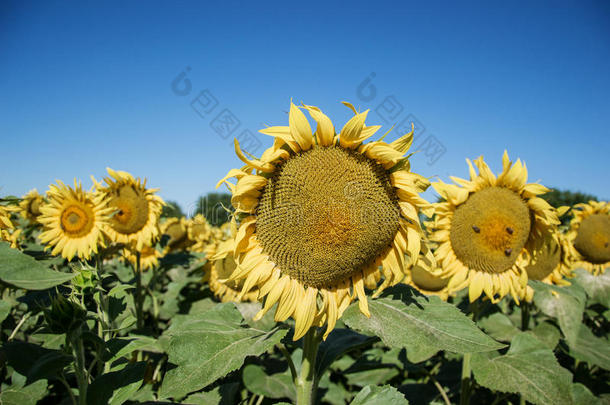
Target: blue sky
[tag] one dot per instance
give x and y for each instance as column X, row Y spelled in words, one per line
column 85, row 86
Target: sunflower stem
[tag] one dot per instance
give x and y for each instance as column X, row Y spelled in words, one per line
column 307, row 382
column 525, row 315
column 80, row 369
column 138, row 298
column 465, row 388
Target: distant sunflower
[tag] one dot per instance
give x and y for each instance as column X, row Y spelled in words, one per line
column 177, row 230
column 549, row 260
column 30, row 205
column 484, row 226
column 589, row 233
column 320, row 214
column 199, row 232
column 149, row 257
column 8, row 232
column 222, row 266
column 422, row 277
column 136, row 209
column 73, row 221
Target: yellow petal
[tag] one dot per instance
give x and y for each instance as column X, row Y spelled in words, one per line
column 299, row 127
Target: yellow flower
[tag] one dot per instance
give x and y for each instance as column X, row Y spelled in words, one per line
column 149, row 257
column 177, row 230
column 199, row 233
column 589, row 233
column 136, row 209
column 422, row 277
column 8, row 232
column 483, row 225
column 73, row 221
column 222, row 265
column 30, row 205
column 320, row 214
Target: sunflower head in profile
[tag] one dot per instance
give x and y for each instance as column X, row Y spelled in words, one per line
column 134, row 220
column 8, row 232
column 177, row 231
column 222, row 265
column 30, row 205
column 589, row 233
column 73, row 221
column 483, row 225
column 199, row 232
column 421, row 274
column 322, row 215
column 149, row 257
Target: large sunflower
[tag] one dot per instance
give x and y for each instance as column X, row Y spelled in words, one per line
column 74, row 221
column 30, row 205
column 483, row 225
column 421, row 275
column 8, row 232
column 222, row 266
column 136, row 209
column 320, row 214
column 589, row 233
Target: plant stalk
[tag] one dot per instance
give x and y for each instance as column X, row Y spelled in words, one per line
column 80, row 369
column 466, row 377
column 307, row 383
column 525, row 315
column 138, row 297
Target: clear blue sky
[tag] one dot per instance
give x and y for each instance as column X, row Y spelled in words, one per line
column 88, row 86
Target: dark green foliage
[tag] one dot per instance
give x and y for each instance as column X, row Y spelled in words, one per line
column 172, row 210
column 214, row 206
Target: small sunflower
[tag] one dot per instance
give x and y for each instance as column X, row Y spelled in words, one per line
column 320, row 213
column 199, row 232
column 8, row 232
column 549, row 260
column 222, row 265
column 74, row 221
column 30, row 205
column 149, row 257
column 136, row 209
column 589, row 233
column 177, row 230
column 483, row 227
column 422, row 277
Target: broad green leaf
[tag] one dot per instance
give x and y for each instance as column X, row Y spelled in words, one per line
column 207, row 346
column 405, row 318
column 225, row 394
column 591, row 349
column 23, row 271
column 499, row 326
column 275, row 386
column 596, row 287
column 5, row 309
column 33, row 361
column 528, row 368
column 116, row 387
column 547, row 334
column 379, row 395
column 28, row 395
column 333, row 393
column 339, row 342
column 125, row 346
column 567, row 304
column 582, row 396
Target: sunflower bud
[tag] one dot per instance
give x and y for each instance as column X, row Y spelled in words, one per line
column 64, row 315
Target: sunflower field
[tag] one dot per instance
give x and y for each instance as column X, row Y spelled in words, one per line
column 333, row 282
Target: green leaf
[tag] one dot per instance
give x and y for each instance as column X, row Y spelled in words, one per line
column 207, row 346
column 499, row 326
column 33, row 361
column 28, row 395
column 379, row 395
column 591, row 349
column 5, row 309
column 567, row 304
column 275, row 386
column 339, row 342
column 547, row 334
column 116, row 387
column 582, row 396
column 596, row 287
column 21, row 270
column 225, row 394
column 420, row 324
column 123, row 347
column 528, row 368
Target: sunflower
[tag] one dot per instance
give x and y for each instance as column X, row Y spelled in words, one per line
column 136, row 209
column 74, row 220
column 199, row 232
column 177, row 230
column 30, row 205
column 222, row 265
column 149, row 257
column 589, row 233
column 549, row 260
column 422, row 277
column 320, row 213
column 483, row 225
column 8, row 232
